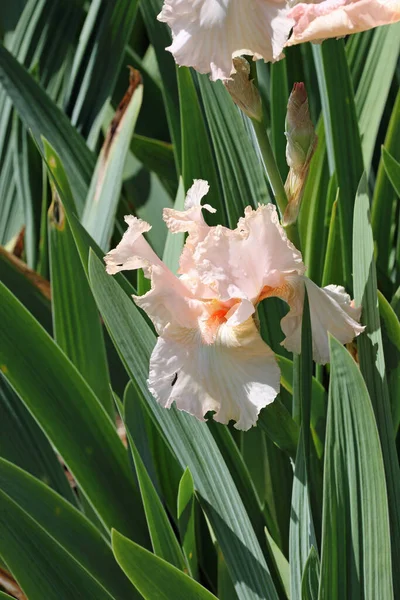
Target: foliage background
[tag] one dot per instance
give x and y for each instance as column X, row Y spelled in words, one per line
column 307, row 504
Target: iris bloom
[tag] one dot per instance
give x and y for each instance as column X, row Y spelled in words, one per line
column 208, row 34
column 209, row 354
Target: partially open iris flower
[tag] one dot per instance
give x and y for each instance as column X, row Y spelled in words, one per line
column 209, row 355
column 208, row 34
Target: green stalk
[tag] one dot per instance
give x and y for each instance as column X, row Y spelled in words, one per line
column 271, row 167
column 274, row 178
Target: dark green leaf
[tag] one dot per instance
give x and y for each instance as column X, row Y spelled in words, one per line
column 160, row 38
column 154, row 577
column 77, row 326
column 31, row 290
column 279, row 97
column 280, row 562
column 371, row 358
column 310, row 581
column 70, row 415
column 69, row 528
column 98, row 59
column 186, row 520
column 342, row 135
column 390, row 326
column 23, row 443
column 198, row 161
column 44, row 118
column 28, row 550
column 392, row 168
column 383, row 199
column 162, row 535
column 355, row 561
column 239, row 165
column 302, row 533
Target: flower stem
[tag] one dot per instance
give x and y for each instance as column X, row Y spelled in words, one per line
column 274, row 178
column 271, row 167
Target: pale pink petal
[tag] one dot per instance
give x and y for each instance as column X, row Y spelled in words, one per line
column 207, row 34
column 169, row 300
column 242, row 262
column 336, row 18
column 331, row 311
column 191, row 220
column 133, row 252
column 239, row 313
column 235, row 377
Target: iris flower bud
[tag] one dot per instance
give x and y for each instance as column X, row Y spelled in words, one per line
column 243, row 91
column 301, row 145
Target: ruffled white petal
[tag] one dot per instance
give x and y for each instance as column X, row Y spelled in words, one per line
column 241, row 263
column 336, row 18
column 331, row 311
column 133, row 252
column 169, row 300
column 235, row 377
column 207, row 34
column 191, row 220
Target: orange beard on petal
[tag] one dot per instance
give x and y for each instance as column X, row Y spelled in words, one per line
column 218, row 312
column 284, row 291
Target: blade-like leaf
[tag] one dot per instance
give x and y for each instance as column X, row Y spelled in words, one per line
column 239, row 166
column 69, row 528
column 382, row 202
column 31, row 290
column 371, row 358
column 342, row 135
column 43, row 117
column 23, row 443
column 186, row 520
column 302, row 534
column 392, row 168
column 102, row 201
column 154, row 577
column 280, row 562
column 373, row 89
column 162, row 535
column 355, row 561
column 71, row 416
column 198, row 161
column 279, row 97
column 97, row 61
column 77, row 326
column 160, row 38
column 28, row 550
column 310, row 581
column 390, row 325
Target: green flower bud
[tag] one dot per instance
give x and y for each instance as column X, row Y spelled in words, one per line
column 300, row 147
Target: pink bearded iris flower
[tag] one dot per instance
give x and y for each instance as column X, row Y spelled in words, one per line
column 208, row 34
column 209, row 355
column 317, row 21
